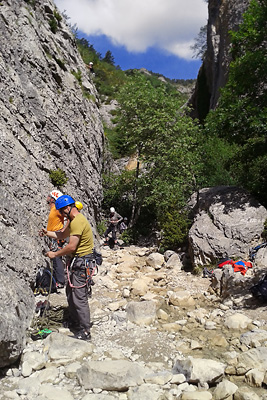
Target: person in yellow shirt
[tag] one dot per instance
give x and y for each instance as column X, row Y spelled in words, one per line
column 80, row 248
column 56, row 223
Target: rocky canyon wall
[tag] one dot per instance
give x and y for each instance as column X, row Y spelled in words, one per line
column 49, row 119
column 224, row 16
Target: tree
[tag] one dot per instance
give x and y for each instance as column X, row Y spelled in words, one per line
column 109, row 58
column 241, row 116
column 155, row 128
column 200, row 46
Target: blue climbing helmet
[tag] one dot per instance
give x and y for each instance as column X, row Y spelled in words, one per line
column 64, row 201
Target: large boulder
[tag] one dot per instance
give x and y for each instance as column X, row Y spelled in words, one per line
column 198, row 370
column 227, row 222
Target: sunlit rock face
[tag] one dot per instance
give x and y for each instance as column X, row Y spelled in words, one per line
column 49, row 119
column 223, row 17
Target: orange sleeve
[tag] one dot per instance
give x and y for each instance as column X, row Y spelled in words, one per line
column 55, row 220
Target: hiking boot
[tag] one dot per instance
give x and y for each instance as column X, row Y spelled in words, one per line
column 36, row 291
column 83, row 335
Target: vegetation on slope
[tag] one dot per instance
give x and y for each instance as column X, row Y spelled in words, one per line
column 175, row 156
column 236, row 132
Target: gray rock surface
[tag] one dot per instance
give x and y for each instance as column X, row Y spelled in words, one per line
column 227, row 222
column 129, row 361
column 49, row 119
column 223, row 17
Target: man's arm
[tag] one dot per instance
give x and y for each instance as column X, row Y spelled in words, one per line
column 55, row 235
column 69, row 249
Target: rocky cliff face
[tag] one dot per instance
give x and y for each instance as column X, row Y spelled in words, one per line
column 49, row 119
column 224, row 16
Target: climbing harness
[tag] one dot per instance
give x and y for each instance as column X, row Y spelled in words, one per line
column 90, row 266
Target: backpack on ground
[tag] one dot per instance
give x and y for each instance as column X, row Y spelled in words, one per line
column 97, row 257
column 43, row 280
column 207, row 273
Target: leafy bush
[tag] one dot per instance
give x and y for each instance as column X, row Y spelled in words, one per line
column 78, row 75
column 101, row 227
column 53, row 24
column 57, row 15
column 61, row 64
column 58, row 177
column 175, row 225
column 129, row 236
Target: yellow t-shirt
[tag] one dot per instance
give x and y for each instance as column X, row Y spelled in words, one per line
column 80, row 226
column 55, row 220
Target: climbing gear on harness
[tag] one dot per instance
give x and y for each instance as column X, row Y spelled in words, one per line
column 64, row 201
column 88, row 265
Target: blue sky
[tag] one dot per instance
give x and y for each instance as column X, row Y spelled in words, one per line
column 152, row 34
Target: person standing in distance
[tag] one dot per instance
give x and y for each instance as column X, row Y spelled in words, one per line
column 80, row 248
column 55, row 223
column 114, row 220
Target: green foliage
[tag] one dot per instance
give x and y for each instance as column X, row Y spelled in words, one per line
column 58, row 177
column 61, row 64
column 217, row 155
column 53, row 24
column 109, row 58
column 175, row 225
column 101, row 227
column 152, row 124
column 78, row 75
column 108, row 78
column 57, row 16
column 240, row 119
column 200, row 46
column 88, row 95
column 129, row 236
column 114, row 142
column 118, row 190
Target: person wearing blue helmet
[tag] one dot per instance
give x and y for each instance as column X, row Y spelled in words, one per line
column 80, row 248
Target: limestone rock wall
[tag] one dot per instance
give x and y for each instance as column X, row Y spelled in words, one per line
column 227, row 223
column 49, row 119
column 223, row 16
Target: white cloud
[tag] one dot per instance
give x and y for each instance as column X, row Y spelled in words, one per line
column 170, row 25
